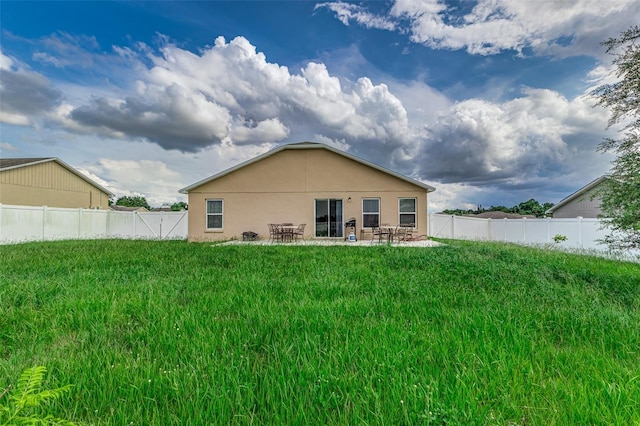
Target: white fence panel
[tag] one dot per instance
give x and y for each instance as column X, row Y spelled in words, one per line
column 580, row 232
column 18, row 223
column 121, row 224
column 61, row 224
column 25, row 223
column 471, row 228
column 441, row 226
column 93, row 223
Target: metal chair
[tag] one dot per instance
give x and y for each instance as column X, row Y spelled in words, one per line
column 382, row 232
column 274, row 232
column 299, row 232
column 404, row 232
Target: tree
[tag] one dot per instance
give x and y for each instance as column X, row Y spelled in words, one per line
column 133, row 201
column 621, row 193
column 180, row 205
column 531, row 207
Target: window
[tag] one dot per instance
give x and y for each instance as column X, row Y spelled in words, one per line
column 370, row 212
column 214, row 214
column 407, row 208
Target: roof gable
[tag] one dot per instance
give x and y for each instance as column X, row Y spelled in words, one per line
column 16, row 163
column 588, row 187
column 300, row 146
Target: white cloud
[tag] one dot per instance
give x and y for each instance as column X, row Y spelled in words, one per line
column 230, row 92
column 559, row 28
column 5, row 61
column 537, row 134
column 347, row 12
column 154, row 180
column 227, row 103
column 269, row 130
column 64, row 50
column 5, row 146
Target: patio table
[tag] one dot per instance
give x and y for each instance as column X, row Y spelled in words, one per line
column 286, row 232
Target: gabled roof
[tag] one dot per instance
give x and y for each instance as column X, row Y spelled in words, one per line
column 578, row 193
column 306, row 145
column 16, row 163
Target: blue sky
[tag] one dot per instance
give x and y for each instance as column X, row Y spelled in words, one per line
column 485, row 100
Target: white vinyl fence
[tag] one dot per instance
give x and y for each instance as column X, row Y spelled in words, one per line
column 581, row 232
column 25, row 223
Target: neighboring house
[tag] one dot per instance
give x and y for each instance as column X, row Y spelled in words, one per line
column 308, row 183
column 48, row 182
column 500, row 215
column 128, row 209
column 584, row 202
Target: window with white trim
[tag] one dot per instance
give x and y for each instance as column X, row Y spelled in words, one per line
column 370, row 212
column 407, row 209
column 214, row 214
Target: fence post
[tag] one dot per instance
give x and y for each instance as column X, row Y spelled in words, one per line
column 580, row 230
column 524, row 229
column 453, row 227
column 44, row 220
column 107, row 223
column 548, row 230
column 505, row 229
column 80, row 223
column 489, row 230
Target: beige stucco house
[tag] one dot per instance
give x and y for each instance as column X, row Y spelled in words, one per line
column 48, row 182
column 582, row 203
column 304, row 183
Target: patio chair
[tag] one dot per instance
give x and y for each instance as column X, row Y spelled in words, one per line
column 404, row 232
column 381, row 232
column 299, row 232
column 274, row 232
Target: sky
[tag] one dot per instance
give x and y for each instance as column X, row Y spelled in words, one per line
column 487, row 101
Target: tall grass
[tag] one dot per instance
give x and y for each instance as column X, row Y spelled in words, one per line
column 192, row 334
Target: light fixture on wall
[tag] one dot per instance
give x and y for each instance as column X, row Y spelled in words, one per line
column 349, row 199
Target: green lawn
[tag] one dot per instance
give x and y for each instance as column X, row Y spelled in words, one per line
column 193, row 334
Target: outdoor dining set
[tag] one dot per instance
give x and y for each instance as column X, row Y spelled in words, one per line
column 285, row 232
column 288, row 232
column 389, row 233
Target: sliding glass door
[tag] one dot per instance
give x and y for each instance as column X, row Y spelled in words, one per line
column 329, row 218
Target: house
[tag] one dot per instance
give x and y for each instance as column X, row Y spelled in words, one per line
column 500, row 215
column 304, row 183
column 582, row 203
column 48, row 182
column 117, row 208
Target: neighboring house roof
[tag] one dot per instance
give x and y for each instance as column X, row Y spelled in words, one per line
column 578, row 193
column 500, row 215
column 15, row 163
column 127, row 208
column 306, row 145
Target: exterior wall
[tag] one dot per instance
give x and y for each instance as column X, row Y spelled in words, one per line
column 582, row 206
column 284, row 187
column 49, row 184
